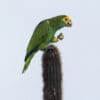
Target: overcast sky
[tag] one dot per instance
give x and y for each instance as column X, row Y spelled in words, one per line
column 80, row 49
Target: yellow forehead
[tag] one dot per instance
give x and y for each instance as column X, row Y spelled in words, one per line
column 66, row 18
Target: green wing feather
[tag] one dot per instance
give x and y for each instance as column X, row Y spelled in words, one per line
column 40, row 36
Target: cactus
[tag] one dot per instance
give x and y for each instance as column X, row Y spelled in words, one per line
column 52, row 75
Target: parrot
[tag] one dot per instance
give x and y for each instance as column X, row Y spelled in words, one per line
column 44, row 34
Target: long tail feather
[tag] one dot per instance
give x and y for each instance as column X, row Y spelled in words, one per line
column 29, row 53
column 27, row 62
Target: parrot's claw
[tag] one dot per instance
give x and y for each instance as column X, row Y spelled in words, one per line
column 60, row 36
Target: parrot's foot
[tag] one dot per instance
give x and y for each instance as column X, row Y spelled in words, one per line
column 60, row 36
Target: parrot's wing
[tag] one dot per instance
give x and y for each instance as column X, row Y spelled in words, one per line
column 39, row 36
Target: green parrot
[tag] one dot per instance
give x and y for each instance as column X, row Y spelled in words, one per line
column 44, row 34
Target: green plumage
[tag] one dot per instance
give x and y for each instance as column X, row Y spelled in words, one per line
column 42, row 36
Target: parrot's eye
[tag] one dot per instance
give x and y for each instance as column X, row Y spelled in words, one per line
column 66, row 19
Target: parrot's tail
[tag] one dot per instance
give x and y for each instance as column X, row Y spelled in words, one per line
column 27, row 62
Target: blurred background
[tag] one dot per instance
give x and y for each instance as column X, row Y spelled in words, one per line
column 80, row 49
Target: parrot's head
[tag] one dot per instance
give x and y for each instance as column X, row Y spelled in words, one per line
column 61, row 21
column 66, row 20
